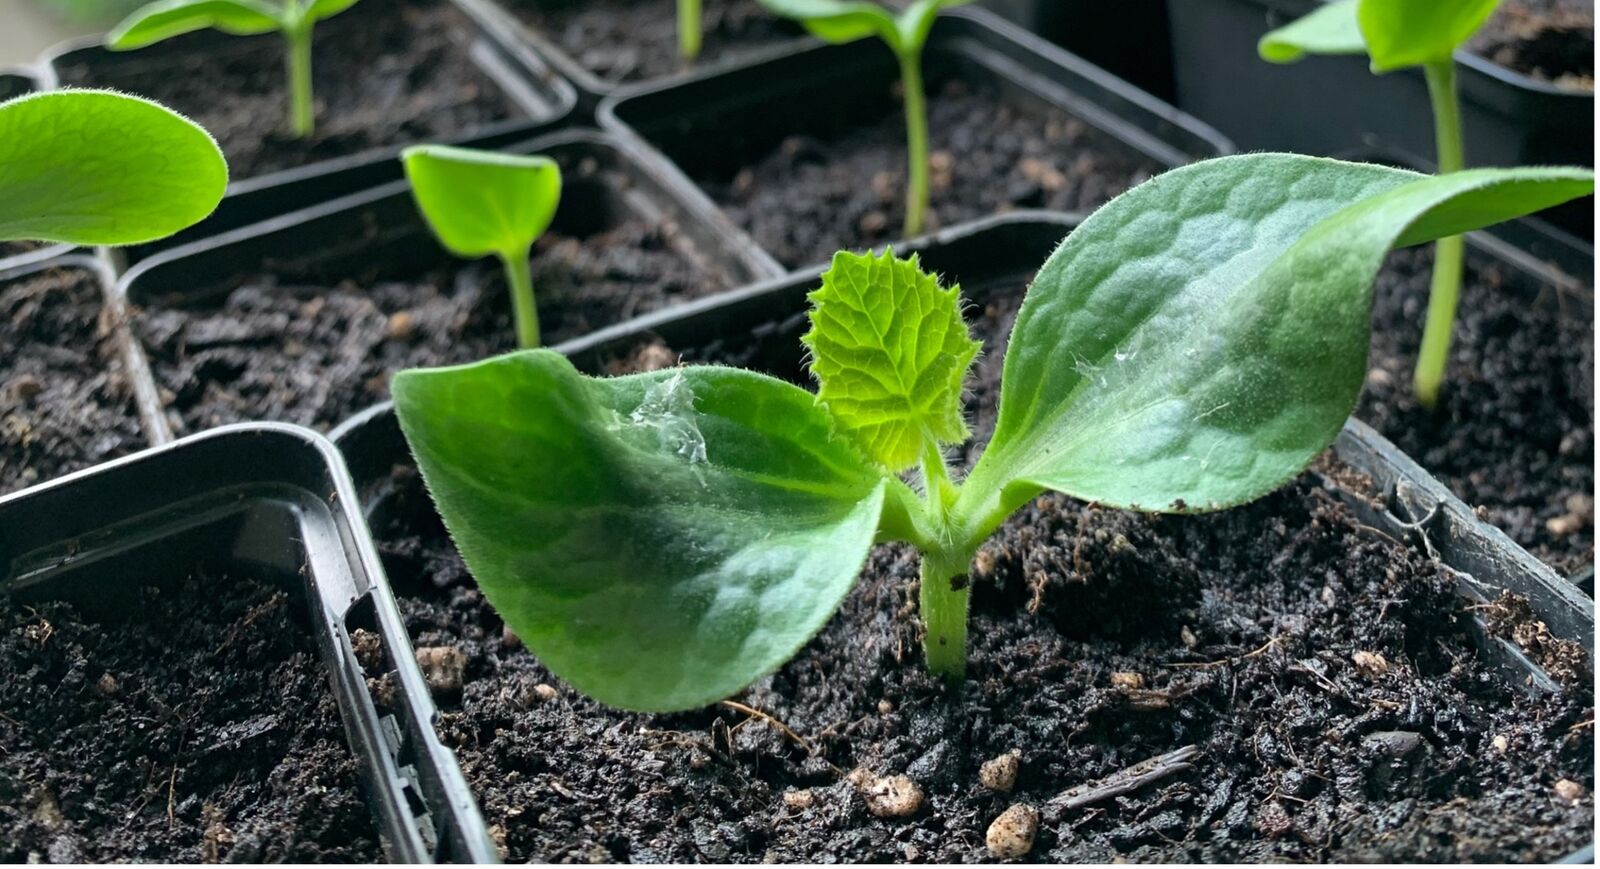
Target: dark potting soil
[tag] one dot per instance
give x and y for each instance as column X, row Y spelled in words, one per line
column 1551, row 40
column 195, row 725
column 65, row 400
column 1514, row 431
column 293, row 347
column 813, row 195
column 1340, row 711
column 17, row 248
column 384, row 73
column 631, row 40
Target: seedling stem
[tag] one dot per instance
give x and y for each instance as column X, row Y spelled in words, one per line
column 916, row 141
column 301, row 115
column 689, row 29
column 1450, row 252
column 519, row 278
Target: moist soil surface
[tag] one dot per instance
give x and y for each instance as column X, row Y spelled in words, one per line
column 196, row 725
column 1552, row 40
column 1321, row 669
column 65, row 399
column 631, row 40
column 305, row 346
column 1513, row 434
column 383, row 74
column 812, row 195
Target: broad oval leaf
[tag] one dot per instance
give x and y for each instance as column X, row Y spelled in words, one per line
column 890, row 350
column 659, row 540
column 1196, row 341
column 483, row 202
column 1331, row 29
column 839, row 21
column 96, row 167
column 320, row 9
column 1404, row 33
column 165, row 19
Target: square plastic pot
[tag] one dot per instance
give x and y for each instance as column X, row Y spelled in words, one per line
column 1130, row 39
column 272, row 502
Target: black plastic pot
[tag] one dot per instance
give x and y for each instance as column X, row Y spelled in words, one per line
column 748, row 110
column 274, row 502
column 494, row 16
column 998, row 253
column 15, row 82
column 1328, row 105
column 543, row 99
column 606, row 178
column 1130, row 39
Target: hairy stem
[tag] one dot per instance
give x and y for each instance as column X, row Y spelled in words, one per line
column 944, row 612
column 519, row 277
column 689, row 29
column 1450, row 252
column 301, row 113
column 916, row 141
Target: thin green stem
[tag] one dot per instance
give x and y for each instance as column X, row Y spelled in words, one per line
column 519, row 278
column 916, row 142
column 301, row 113
column 689, row 29
column 1449, row 252
column 943, row 604
column 936, row 480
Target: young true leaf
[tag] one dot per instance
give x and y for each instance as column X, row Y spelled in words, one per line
column 890, row 351
column 1399, row 34
column 483, row 202
column 848, row 20
column 96, row 167
column 294, row 19
column 1192, row 345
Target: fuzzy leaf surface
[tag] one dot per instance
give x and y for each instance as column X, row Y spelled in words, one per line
column 165, row 19
column 1332, row 28
column 96, row 167
column 658, row 540
column 483, row 202
column 1196, row 341
column 890, row 351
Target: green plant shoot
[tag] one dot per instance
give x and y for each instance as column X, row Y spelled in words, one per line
column 662, row 540
column 1399, row 34
column 689, row 29
column 294, row 19
column 96, row 167
column 840, row 21
column 482, row 202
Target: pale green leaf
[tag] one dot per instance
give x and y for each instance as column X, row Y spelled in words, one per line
column 839, row 21
column 890, row 349
column 165, row 19
column 659, row 540
column 320, row 9
column 95, row 167
column 1404, row 33
column 1330, row 29
column 483, row 202
column 1196, row 341
column 917, row 20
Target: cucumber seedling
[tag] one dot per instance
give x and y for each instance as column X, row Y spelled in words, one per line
column 661, row 540
column 689, row 29
column 1400, row 34
column 294, row 19
column 482, row 202
column 97, row 167
column 839, row 21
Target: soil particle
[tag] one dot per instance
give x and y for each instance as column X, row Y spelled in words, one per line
column 1244, row 625
column 384, row 74
column 65, row 401
column 307, row 346
column 1011, row 834
column 631, row 40
column 221, row 742
column 1552, row 40
column 1510, row 616
column 891, row 796
column 1514, row 429
column 1000, row 773
column 824, row 191
column 442, row 667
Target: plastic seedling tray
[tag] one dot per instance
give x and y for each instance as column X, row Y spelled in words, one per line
column 272, row 503
column 749, row 110
column 607, row 181
column 540, row 99
column 1403, row 501
column 1129, row 39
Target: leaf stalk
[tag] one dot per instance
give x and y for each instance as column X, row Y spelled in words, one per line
column 301, row 113
column 916, row 141
column 1449, row 253
column 689, row 29
column 519, row 279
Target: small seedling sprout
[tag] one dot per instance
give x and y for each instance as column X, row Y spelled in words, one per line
column 689, row 29
column 662, row 540
column 294, row 19
column 483, row 202
column 840, row 21
column 1400, row 34
column 94, row 167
